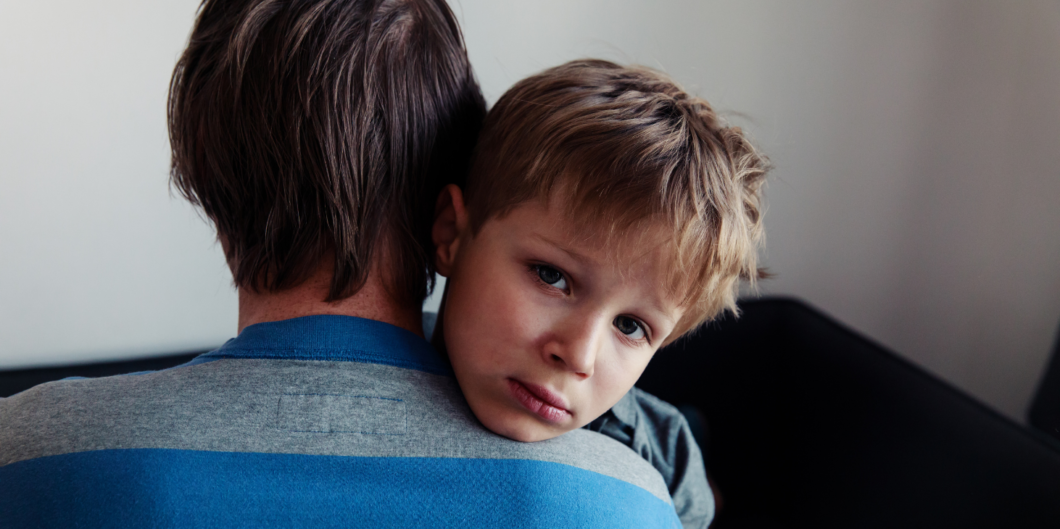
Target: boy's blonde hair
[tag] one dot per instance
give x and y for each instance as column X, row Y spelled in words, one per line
column 626, row 144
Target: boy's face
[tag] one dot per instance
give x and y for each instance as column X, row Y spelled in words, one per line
column 547, row 329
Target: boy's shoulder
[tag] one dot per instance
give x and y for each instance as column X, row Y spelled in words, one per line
column 656, row 409
column 649, row 425
column 660, row 433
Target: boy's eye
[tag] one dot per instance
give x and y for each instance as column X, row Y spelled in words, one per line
column 551, row 276
column 630, row 327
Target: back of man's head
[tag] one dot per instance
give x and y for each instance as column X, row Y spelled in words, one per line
column 307, row 129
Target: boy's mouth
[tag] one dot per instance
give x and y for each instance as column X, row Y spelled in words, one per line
column 544, row 402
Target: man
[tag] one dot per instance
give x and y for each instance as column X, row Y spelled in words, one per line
column 315, row 135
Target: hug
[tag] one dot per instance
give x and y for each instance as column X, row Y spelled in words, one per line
column 343, row 153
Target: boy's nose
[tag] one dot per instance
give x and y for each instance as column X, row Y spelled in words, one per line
column 574, row 348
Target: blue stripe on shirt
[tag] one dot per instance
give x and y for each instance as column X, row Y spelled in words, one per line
column 184, row 488
column 334, row 338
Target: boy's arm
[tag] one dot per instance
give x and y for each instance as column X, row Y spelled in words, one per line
column 660, row 434
column 689, row 488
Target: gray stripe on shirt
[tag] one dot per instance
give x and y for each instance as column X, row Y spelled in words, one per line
column 246, row 405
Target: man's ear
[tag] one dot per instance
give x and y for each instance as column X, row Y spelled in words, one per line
column 450, row 227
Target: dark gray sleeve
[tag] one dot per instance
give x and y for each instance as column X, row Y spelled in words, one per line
column 660, row 434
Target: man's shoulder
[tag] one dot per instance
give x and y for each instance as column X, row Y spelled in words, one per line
column 351, row 429
column 76, row 413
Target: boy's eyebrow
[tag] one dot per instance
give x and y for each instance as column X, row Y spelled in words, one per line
column 582, row 259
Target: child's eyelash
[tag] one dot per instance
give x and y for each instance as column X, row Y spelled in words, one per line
column 646, row 339
column 538, row 271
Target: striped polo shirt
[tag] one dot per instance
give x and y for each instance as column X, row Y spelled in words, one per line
column 321, row 421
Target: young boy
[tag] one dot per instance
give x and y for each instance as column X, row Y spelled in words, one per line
column 606, row 214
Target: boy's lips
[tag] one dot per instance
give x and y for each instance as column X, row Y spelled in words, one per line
column 547, row 404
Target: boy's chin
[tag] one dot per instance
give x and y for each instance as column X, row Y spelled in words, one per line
column 524, row 429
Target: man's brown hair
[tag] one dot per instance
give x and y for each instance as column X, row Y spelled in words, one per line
column 625, row 145
column 314, row 128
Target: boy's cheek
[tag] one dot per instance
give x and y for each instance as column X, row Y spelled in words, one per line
column 485, row 325
column 618, row 378
column 507, row 313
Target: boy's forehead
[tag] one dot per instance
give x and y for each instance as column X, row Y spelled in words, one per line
column 622, row 237
column 595, row 235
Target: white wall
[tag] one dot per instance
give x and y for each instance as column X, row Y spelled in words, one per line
column 97, row 260
column 915, row 196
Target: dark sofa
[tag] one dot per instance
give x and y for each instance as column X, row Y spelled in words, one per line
column 809, row 424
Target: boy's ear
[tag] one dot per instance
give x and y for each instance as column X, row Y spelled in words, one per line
column 450, row 226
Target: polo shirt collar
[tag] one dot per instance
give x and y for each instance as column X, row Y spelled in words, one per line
column 625, row 410
column 336, row 339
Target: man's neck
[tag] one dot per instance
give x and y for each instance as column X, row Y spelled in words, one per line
column 371, row 302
